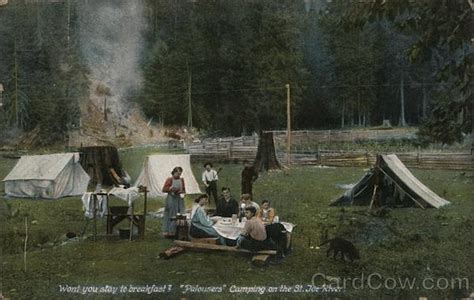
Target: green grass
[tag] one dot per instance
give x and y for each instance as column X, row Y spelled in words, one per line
column 408, row 242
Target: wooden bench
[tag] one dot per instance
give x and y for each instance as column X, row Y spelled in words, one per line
column 207, row 246
column 212, row 241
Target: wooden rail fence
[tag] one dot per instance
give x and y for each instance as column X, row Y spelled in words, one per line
column 226, row 152
column 236, row 149
column 245, row 148
column 328, row 136
column 450, row 161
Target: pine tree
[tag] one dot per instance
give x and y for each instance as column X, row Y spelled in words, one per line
column 47, row 76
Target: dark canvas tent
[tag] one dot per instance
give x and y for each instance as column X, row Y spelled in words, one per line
column 390, row 183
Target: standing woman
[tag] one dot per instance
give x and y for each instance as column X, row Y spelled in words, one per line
column 175, row 188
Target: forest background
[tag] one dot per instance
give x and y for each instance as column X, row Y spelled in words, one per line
column 222, row 66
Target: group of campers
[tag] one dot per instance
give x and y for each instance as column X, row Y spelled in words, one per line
column 257, row 232
column 260, row 231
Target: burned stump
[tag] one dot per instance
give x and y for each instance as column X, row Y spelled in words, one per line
column 102, row 163
column 266, row 158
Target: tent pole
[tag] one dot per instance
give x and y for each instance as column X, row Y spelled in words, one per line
column 145, row 196
column 142, row 234
column 94, row 198
column 131, row 223
column 373, row 197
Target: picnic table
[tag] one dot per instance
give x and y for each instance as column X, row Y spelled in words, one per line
column 231, row 230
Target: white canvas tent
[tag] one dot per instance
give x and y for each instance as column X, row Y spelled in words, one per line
column 157, row 168
column 397, row 186
column 49, row 176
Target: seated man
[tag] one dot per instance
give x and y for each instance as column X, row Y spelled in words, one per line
column 266, row 214
column 226, row 204
column 253, row 236
column 201, row 225
column 246, row 200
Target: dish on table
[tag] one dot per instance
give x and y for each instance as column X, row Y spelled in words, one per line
column 226, row 221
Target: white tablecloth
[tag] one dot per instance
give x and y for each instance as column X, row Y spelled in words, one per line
column 232, row 231
column 229, row 231
column 131, row 194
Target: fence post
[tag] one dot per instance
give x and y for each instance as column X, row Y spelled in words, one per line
column 418, row 156
column 321, row 158
column 318, row 153
column 229, row 151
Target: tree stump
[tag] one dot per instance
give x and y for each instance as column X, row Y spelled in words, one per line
column 266, row 158
column 98, row 161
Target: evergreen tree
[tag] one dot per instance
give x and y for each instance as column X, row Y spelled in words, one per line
column 47, row 77
column 445, row 27
column 236, row 57
column 355, row 60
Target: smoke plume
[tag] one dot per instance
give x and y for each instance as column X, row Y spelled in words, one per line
column 111, row 39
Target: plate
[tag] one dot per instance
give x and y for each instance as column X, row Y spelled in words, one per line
column 226, row 221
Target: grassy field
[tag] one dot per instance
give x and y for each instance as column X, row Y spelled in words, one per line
column 430, row 245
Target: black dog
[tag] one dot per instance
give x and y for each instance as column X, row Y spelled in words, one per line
column 340, row 245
